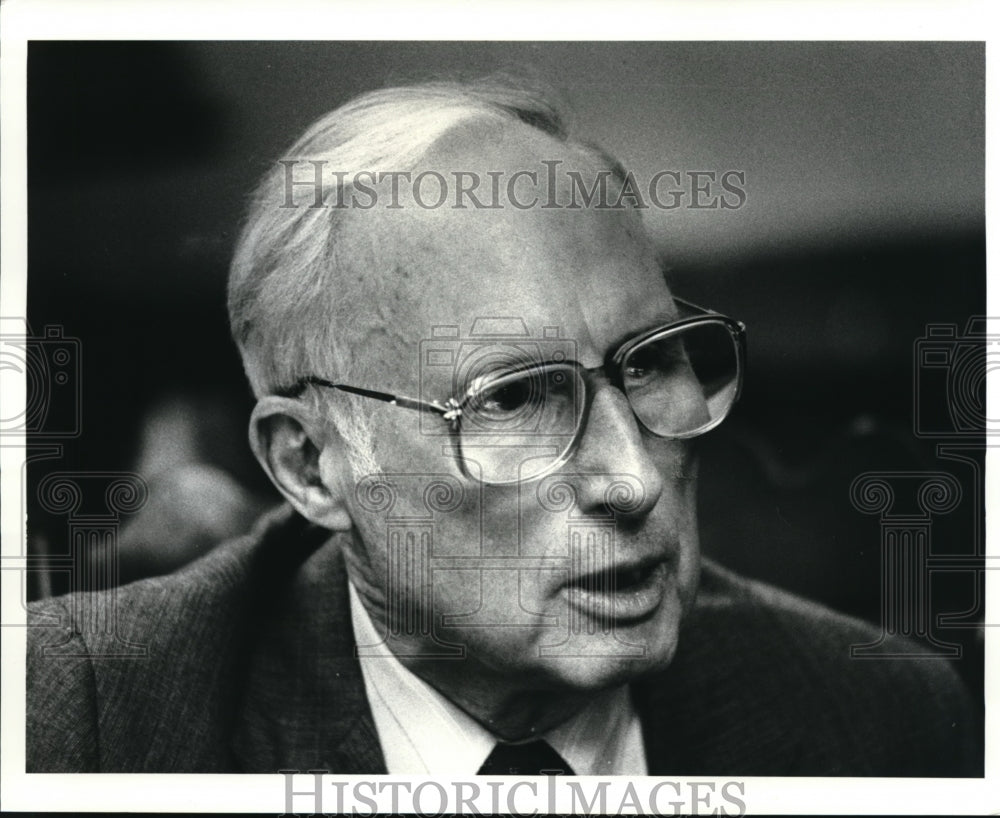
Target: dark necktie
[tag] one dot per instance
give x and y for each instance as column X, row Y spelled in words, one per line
column 532, row 758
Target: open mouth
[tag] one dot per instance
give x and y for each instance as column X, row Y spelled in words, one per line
column 620, row 594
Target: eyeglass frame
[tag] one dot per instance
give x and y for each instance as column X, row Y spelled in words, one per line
column 451, row 410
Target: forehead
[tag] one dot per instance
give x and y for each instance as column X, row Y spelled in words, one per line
column 589, row 271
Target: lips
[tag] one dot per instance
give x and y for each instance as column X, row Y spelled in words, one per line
column 622, row 594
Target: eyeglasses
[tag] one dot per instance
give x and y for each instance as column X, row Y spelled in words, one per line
column 517, row 422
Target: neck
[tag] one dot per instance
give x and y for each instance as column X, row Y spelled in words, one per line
column 510, row 714
column 510, row 707
column 511, row 710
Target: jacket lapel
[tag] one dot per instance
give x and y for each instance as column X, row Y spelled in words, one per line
column 305, row 706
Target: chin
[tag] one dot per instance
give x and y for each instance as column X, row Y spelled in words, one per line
column 583, row 674
column 639, row 650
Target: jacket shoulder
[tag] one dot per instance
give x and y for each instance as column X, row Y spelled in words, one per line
column 141, row 677
column 778, row 690
column 60, row 710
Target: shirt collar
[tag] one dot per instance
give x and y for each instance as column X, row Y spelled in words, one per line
column 422, row 732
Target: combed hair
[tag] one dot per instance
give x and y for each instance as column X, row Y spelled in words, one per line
column 286, row 276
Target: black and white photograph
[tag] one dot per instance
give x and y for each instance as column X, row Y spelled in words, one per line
column 491, row 425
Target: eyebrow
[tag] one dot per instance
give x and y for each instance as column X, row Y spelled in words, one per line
column 526, row 357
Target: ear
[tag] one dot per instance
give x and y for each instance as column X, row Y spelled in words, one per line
column 305, row 458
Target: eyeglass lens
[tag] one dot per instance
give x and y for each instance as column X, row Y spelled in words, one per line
column 516, row 425
column 683, row 382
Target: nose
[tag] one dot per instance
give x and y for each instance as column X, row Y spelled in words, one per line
column 613, row 464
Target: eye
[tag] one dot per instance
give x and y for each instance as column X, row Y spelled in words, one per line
column 656, row 361
column 641, row 364
column 509, row 397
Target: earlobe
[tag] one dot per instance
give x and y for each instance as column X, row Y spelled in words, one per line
column 290, row 446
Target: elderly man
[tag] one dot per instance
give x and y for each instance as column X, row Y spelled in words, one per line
column 480, row 400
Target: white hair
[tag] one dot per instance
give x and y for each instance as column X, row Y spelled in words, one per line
column 289, row 301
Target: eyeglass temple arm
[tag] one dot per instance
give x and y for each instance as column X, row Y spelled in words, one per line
column 448, row 412
column 696, row 307
column 706, row 311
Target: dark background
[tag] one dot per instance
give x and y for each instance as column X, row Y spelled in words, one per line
column 864, row 223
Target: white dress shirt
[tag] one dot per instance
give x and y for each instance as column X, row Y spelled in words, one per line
column 422, row 732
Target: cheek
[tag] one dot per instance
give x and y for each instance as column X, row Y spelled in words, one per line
column 677, row 509
column 677, row 461
column 411, row 526
column 404, row 440
column 366, row 558
column 689, row 558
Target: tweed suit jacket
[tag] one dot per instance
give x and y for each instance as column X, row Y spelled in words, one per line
column 248, row 666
